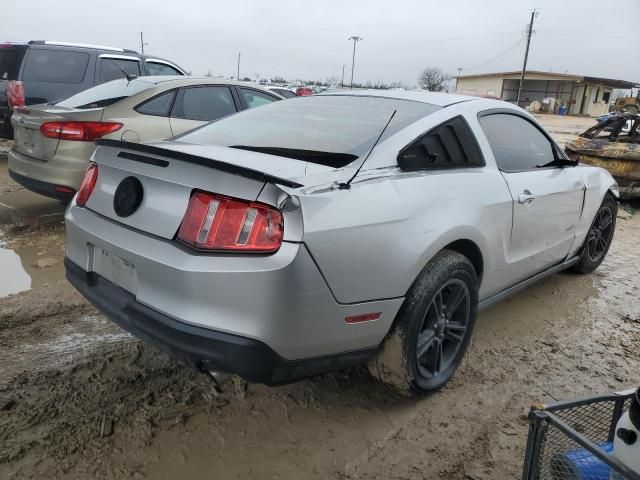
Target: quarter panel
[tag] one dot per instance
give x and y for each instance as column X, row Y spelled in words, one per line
column 598, row 181
column 372, row 240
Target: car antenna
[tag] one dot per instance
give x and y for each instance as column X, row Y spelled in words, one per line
column 347, row 185
column 128, row 76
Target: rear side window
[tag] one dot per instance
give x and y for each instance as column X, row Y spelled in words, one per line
column 161, row 69
column 255, row 98
column 449, row 145
column 159, row 105
column 10, row 61
column 204, row 103
column 517, row 144
column 114, row 68
column 55, row 66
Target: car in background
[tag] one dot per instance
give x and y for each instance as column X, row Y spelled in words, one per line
column 53, row 143
column 282, row 91
column 48, row 71
column 333, row 230
column 304, row 91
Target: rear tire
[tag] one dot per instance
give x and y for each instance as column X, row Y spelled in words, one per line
column 599, row 237
column 433, row 328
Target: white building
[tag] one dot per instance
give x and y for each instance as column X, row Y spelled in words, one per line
column 583, row 95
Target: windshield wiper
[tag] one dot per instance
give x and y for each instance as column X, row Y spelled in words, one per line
column 559, row 162
column 328, row 159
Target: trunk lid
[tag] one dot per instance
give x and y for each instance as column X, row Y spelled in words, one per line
column 170, row 171
column 26, row 122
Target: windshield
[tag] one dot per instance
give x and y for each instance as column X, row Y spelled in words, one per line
column 106, row 94
column 327, row 129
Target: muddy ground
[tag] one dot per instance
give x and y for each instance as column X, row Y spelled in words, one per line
column 80, row 398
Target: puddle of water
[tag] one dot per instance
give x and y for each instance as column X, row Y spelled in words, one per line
column 18, row 270
column 13, row 277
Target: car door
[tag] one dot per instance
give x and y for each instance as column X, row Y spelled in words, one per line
column 197, row 105
column 547, row 200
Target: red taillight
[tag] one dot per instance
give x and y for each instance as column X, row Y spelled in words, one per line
column 216, row 222
column 87, row 185
column 78, row 131
column 15, row 94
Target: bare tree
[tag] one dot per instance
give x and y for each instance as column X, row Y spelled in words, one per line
column 433, row 79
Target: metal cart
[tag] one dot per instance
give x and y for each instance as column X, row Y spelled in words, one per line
column 573, row 440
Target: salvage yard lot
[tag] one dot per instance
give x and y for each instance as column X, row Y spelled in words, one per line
column 80, row 398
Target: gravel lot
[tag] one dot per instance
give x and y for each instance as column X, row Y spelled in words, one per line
column 80, row 398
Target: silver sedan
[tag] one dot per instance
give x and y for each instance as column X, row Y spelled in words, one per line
column 335, row 230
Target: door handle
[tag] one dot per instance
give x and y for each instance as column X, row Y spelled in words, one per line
column 526, row 197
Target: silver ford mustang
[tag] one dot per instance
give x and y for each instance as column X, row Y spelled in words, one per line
column 329, row 231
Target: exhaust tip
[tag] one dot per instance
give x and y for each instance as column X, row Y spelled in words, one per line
column 219, row 378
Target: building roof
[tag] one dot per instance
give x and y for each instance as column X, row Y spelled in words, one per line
column 610, row 82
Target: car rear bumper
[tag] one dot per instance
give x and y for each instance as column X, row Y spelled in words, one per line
column 280, row 300
column 42, row 188
column 201, row 347
column 57, row 172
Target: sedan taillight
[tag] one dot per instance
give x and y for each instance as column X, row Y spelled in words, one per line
column 87, row 185
column 218, row 223
column 78, row 131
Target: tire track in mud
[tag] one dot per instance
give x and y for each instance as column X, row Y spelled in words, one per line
column 103, row 405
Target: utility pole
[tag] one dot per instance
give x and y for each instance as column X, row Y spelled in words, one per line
column 534, row 14
column 142, row 43
column 342, row 82
column 238, row 77
column 355, row 39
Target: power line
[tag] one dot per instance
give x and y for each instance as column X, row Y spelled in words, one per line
column 496, row 57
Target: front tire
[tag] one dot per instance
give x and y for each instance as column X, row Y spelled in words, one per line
column 599, row 237
column 433, row 328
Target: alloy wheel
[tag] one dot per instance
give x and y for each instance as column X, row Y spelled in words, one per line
column 600, row 234
column 443, row 329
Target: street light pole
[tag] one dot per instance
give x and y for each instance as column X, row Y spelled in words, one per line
column 238, row 77
column 355, row 39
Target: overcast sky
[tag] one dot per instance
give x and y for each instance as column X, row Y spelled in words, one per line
column 308, row 40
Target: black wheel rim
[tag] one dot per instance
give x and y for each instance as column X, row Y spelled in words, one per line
column 443, row 329
column 600, row 235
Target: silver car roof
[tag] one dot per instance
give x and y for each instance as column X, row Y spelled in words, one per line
column 434, row 98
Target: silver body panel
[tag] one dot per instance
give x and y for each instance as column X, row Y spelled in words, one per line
column 346, row 252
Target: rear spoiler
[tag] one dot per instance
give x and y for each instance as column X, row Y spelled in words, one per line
column 198, row 160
